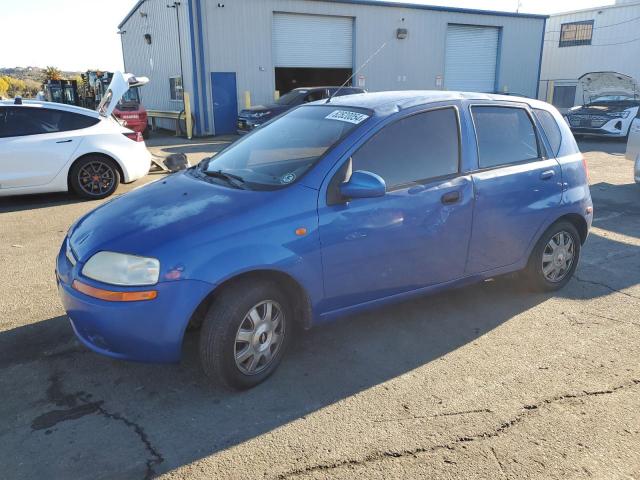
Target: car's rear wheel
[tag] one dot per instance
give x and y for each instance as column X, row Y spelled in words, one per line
column 94, row 177
column 555, row 257
column 244, row 334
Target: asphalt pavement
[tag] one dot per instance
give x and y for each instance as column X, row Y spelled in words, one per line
column 489, row 381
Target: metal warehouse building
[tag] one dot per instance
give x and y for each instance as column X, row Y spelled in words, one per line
column 218, row 50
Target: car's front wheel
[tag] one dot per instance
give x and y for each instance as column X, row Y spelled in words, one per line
column 94, row 177
column 244, row 334
column 555, row 257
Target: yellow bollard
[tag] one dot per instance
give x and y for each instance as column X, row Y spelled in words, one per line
column 247, row 99
column 550, row 87
column 276, row 95
column 187, row 112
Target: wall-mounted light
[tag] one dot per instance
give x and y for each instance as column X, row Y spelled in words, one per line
column 143, row 14
column 402, row 33
column 147, row 38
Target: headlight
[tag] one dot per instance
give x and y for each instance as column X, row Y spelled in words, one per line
column 261, row 114
column 624, row 114
column 121, row 269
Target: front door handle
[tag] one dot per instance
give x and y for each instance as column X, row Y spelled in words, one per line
column 64, row 141
column 547, row 174
column 450, row 197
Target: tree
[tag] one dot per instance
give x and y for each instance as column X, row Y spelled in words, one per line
column 52, row 73
column 4, row 87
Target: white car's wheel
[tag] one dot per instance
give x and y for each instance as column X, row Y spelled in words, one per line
column 94, row 177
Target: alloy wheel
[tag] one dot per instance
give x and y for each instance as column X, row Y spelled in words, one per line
column 557, row 257
column 96, row 178
column 259, row 337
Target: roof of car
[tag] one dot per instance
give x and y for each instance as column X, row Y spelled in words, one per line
column 306, row 89
column 51, row 105
column 388, row 102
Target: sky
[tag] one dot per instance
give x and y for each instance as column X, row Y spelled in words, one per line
column 78, row 35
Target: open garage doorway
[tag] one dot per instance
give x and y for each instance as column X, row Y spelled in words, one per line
column 311, row 50
column 288, row 78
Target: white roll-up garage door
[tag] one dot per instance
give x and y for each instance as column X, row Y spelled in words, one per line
column 313, row 41
column 471, row 58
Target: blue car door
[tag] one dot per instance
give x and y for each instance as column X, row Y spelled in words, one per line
column 517, row 187
column 417, row 234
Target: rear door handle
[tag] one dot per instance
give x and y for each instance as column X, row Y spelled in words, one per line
column 547, row 174
column 450, row 197
column 64, row 141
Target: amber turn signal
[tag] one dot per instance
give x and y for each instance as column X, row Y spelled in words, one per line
column 301, row 231
column 111, row 296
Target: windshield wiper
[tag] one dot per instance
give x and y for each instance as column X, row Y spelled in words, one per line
column 235, row 180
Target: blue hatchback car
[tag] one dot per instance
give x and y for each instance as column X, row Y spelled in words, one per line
column 329, row 209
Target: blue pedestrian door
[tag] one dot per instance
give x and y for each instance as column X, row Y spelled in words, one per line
column 225, row 102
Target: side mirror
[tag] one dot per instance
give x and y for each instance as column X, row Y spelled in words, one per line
column 363, row 185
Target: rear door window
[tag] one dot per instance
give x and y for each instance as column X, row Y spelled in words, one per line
column 315, row 95
column 414, row 149
column 505, row 135
column 22, row 121
column 551, row 129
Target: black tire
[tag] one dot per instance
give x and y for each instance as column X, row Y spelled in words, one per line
column 218, row 341
column 102, row 184
column 534, row 274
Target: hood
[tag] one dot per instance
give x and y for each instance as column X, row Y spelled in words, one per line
column 155, row 214
column 597, row 84
column 120, row 83
column 270, row 107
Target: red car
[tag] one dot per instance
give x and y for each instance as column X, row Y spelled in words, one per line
column 131, row 111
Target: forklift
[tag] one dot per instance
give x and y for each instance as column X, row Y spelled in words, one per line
column 62, row 91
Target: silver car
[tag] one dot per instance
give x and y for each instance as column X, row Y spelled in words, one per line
column 633, row 148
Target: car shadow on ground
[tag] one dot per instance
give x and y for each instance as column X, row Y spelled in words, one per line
column 182, row 417
column 170, row 415
column 33, row 202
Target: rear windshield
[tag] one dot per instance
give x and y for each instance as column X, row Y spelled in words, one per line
column 283, row 150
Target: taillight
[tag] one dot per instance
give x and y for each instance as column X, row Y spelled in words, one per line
column 135, row 136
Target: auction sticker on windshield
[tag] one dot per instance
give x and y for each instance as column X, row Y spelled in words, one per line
column 347, row 116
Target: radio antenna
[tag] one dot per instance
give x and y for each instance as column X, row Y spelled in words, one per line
column 357, row 71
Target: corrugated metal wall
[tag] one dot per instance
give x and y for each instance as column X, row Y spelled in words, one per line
column 159, row 60
column 238, row 38
column 615, row 46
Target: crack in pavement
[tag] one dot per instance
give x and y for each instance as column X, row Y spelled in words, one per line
column 604, row 285
column 78, row 405
column 526, row 410
column 436, row 415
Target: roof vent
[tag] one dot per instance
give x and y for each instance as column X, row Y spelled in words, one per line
column 18, row 101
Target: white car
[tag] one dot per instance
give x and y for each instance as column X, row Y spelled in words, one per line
column 633, row 148
column 51, row 147
column 611, row 103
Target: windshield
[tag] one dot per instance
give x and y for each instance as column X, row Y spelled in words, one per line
column 131, row 96
column 612, row 98
column 289, row 98
column 280, row 152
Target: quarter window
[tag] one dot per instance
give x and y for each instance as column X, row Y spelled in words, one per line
column 413, row 149
column 576, row 33
column 551, row 129
column 505, row 135
column 175, row 88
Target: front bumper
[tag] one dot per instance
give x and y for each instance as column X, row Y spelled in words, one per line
column 599, row 132
column 246, row 125
column 146, row 331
